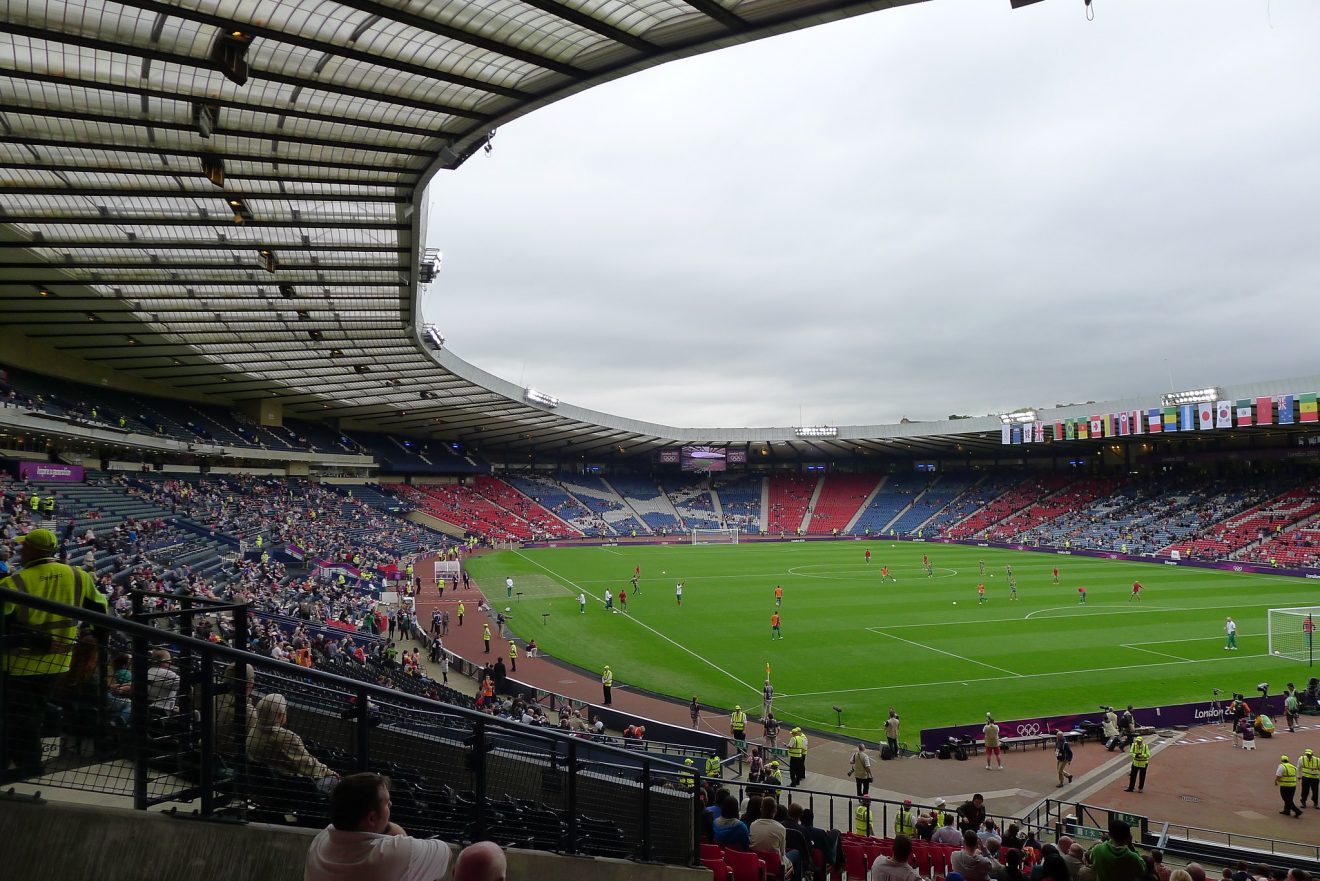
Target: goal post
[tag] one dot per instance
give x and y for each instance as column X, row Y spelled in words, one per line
column 725, row 536
column 1292, row 633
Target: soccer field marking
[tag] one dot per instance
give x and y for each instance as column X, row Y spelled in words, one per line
column 941, row 651
column 611, row 551
column 1137, row 648
column 1017, row 676
column 1127, row 611
column 642, row 624
column 796, row 572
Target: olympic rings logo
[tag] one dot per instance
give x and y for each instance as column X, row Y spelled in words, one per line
column 1026, row 729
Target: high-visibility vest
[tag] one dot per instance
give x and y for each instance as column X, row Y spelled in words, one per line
column 460, row 609
column 1140, row 755
column 863, row 820
column 36, row 502
column 52, row 581
column 1289, row 776
column 513, row 650
column 687, row 779
column 260, row 541
column 738, row 720
column 485, row 632
column 714, row 767
column 1310, row 767
column 905, row 823
column 796, row 749
column 607, row 678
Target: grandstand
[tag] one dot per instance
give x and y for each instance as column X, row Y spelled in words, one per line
column 219, row 391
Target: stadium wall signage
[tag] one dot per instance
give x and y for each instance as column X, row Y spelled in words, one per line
column 45, row 471
column 1167, row 716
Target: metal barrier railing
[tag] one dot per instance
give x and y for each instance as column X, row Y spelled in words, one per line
column 160, row 717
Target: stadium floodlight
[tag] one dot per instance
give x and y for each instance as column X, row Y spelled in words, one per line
column 1192, row 396
column 433, row 336
column 1018, row 417
column 541, row 398
column 817, row 431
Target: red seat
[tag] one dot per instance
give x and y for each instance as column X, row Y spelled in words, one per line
column 855, row 862
column 711, row 851
column 774, row 864
column 745, row 866
column 719, row 867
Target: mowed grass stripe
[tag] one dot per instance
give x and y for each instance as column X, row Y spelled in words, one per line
column 1064, row 657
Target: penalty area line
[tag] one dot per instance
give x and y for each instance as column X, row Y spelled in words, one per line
column 644, row 625
column 942, row 651
column 1017, row 676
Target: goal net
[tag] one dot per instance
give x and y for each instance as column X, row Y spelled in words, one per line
column 1292, row 632
column 715, row 536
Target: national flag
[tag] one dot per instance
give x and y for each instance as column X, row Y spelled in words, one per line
column 1206, row 416
column 1111, row 425
column 1224, row 414
column 1136, row 421
column 1155, row 421
column 1307, row 408
column 1069, row 430
column 1040, row 432
column 1123, row 424
column 1097, row 427
column 1243, row 412
column 1059, row 431
column 1285, row 409
column 1017, row 434
column 1170, row 418
column 1083, row 429
column 1188, row 413
column 1004, row 437
column 1264, row 411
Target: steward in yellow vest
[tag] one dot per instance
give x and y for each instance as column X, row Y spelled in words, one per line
column 864, row 817
column 39, row 646
column 1309, row 765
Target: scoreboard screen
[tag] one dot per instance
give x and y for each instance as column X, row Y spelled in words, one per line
column 703, row 459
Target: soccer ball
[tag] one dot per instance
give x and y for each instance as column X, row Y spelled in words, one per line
column 955, row 602
column 1276, row 651
column 664, row 571
column 616, row 611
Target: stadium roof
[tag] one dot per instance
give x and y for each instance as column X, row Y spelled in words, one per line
column 229, row 196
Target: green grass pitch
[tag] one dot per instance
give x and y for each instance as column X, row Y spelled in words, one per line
column 851, row 640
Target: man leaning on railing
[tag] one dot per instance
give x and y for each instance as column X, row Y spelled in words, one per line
column 38, row 647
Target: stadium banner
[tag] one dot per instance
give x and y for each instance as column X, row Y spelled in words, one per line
column 1124, row 423
column 1307, row 407
column 1111, row 425
column 1224, row 414
column 1017, row 434
column 1156, row 421
column 1243, row 413
column 1136, row 421
column 1083, row 429
column 1205, row 416
column 50, row 472
column 1170, row 418
column 1097, row 427
column 1285, row 409
column 1042, row 727
column 1070, row 430
column 1006, row 435
column 1060, row 431
column 1264, row 411
column 1040, row 432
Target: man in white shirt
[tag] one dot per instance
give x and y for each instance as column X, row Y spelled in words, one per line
column 361, row 844
column 162, row 682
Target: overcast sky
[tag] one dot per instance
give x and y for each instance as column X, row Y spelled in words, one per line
column 951, row 207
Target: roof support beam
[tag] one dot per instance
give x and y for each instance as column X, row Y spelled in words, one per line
column 585, row 21
column 188, row 61
column 226, row 104
column 384, row 10
column 302, row 42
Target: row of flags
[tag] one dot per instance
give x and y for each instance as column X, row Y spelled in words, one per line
column 1269, row 410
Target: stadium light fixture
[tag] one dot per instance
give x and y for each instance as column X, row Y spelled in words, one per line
column 1018, row 417
column 541, row 398
column 1191, row 396
column 816, row 431
column 229, row 54
column 433, row 336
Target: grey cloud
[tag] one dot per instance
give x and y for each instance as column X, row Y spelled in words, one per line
column 946, row 208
